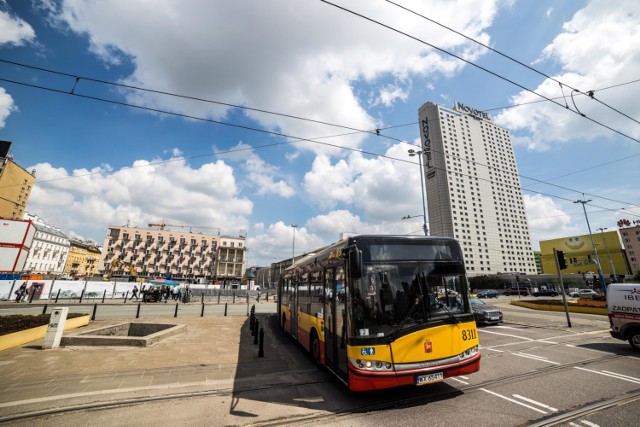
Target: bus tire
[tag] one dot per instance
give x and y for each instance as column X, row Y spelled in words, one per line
column 314, row 346
column 634, row 339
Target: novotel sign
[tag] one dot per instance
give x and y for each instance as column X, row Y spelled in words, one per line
column 472, row 111
column 426, row 143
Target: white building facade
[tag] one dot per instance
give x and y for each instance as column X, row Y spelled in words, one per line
column 49, row 249
column 473, row 189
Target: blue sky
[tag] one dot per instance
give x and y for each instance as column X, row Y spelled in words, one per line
column 100, row 162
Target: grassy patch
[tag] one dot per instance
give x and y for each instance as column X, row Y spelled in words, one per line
column 20, row 322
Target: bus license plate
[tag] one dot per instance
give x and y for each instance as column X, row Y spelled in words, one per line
column 429, row 378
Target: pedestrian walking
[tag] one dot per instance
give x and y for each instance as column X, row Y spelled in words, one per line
column 21, row 292
column 258, row 297
column 134, row 292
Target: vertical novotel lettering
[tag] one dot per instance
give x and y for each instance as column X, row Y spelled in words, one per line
column 475, row 113
column 426, row 143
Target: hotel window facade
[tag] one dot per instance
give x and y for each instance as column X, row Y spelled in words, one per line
column 473, row 189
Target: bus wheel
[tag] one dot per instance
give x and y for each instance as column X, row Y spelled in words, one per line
column 315, row 346
column 634, row 340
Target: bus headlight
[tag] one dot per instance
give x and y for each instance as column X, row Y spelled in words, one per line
column 468, row 353
column 371, row 365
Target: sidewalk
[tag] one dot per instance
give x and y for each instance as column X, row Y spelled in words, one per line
column 214, row 354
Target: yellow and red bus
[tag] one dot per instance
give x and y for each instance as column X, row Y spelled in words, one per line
column 383, row 311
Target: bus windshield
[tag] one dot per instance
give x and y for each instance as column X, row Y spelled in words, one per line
column 392, row 296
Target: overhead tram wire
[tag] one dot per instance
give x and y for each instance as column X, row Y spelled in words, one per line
column 376, row 132
column 297, row 139
column 589, row 93
column 77, row 78
column 473, row 64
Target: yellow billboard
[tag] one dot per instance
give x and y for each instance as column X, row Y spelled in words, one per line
column 580, row 255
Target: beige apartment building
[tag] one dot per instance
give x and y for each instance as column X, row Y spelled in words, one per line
column 16, row 185
column 82, row 261
column 183, row 256
column 630, row 235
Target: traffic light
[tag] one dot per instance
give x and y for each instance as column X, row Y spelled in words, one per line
column 561, row 261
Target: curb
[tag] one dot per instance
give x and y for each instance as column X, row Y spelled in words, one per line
column 572, row 308
column 16, row 339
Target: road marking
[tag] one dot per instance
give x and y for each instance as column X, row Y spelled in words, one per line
column 612, row 375
column 589, row 423
column 535, row 402
column 621, row 375
column 459, row 380
column 538, row 358
column 507, row 335
column 513, row 401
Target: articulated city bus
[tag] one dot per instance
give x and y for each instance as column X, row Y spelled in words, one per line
column 383, row 311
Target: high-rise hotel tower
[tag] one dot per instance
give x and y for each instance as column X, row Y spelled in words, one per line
column 473, row 189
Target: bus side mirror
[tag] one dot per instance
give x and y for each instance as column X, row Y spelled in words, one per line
column 355, row 262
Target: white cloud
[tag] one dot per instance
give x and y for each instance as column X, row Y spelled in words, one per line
column 260, row 174
column 13, row 30
column 546, row 219
column 599, row 47
column 390, row 94
column 309, row 75
column 383, row 189
column 145, row 193
column 6, row 106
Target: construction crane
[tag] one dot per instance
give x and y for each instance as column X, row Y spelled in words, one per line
column 163, row 224
column 115, row 263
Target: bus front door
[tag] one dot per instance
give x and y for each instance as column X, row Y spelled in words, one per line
column 330, row 347
column 341, row 324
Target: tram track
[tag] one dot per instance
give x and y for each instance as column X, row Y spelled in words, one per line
column 393, row 403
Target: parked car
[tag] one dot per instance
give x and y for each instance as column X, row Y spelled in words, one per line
column 485, row 313
column 545, row 293
column 583, row 293
column 487, row 293
column 516, row 291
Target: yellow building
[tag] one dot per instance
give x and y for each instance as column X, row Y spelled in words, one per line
column 82, row 260
column 580, row 257
column 16, row 185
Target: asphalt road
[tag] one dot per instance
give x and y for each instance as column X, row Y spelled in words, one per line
column 535, row 370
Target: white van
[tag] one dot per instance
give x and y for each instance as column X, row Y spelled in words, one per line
column 623, row 303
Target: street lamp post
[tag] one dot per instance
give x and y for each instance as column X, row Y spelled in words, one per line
column 293, row 249
column 595, row 251
column 412, row 153
column 613, row 270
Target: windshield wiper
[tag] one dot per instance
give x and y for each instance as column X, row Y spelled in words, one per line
column 405, row 319
column 453, row 318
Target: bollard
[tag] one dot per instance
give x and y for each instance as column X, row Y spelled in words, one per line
column 202, row 311
column 95, row 308
column 44, row 311
column 33, row 292
column 81, row 296
column 247, row 298
column 261, row 345
column 251, row 323
column 176, row 313
column 57, row 295
column 138, row 312
column 225, row 308
column 218, row 297
column 202, row 298
column 267, row 296
column 125, row 297
column 234, row 297
column 255, row 336
column 104, row 294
